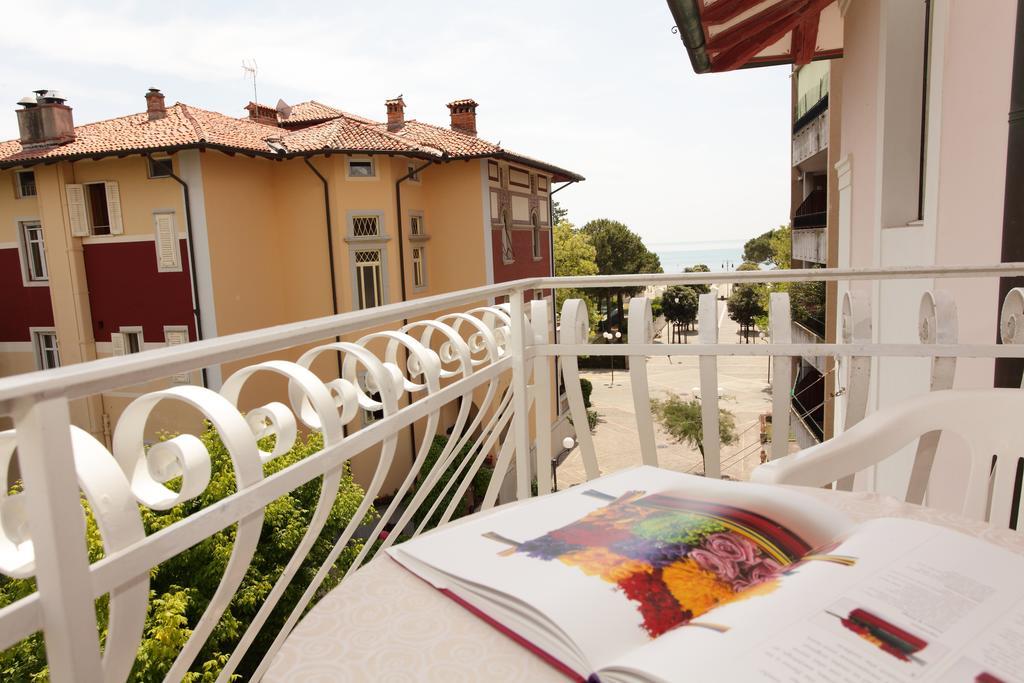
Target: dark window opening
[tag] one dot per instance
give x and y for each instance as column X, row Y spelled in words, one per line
column 27, row 184
column 98, row 216
column 160, row 167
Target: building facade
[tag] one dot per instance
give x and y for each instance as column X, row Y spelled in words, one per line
column 177, row 224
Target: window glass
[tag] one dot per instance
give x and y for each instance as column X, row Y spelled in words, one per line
column 132, row 342
column 507, row 254
column 418, row 279
column 369, row 281
column 46, row 350
column 415, row 225
column 35, row 254
column 160, row 167
column 26, row 184
column 365, row 226
column 536, row 236
column 98, row 216
column 360, row 168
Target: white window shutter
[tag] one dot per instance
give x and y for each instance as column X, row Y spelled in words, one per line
column 76, row 210
column 175, row 337
column 114, row 207
column 117, row 345
column 168, row 253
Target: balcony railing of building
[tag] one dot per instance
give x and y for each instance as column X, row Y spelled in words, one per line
column 455, row 364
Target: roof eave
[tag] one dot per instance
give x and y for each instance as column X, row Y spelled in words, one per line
column 688, row 25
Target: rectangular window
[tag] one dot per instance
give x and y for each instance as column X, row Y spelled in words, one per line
column 413, row 176
column 34, row 252
column 418, row 276
column 128, row 340
column 47, row 355
column 361, row 168
column 99, row 215
column 168, row 252
column 415, row 225
column 160, row 167
column 174, row 336
column 369, row 278
column 542, row 183
column 25, row 183
column 366, row 226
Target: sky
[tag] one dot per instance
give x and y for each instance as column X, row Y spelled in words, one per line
column 601, row 87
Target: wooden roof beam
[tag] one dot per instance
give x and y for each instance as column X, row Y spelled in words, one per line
column 741, row 52
column 805, row 39
column 726, row 10
column 732, row 36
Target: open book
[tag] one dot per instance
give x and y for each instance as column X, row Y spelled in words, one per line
column 649, row 575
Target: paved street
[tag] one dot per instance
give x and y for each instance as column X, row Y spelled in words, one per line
column 745, row 393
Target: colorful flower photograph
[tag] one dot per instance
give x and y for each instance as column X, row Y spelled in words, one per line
column 675, row 557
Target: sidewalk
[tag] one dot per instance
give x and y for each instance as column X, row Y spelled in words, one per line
column 745, row 393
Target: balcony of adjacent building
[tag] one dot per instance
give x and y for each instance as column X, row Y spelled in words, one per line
column 331, row 439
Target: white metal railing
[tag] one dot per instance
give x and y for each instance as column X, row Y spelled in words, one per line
column 480, row 372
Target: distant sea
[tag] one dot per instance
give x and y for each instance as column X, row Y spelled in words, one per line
column 715, row 255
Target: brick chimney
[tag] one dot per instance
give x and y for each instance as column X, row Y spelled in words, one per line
column 45, row 120
column 260, row 113
column 396, row 113
column 463, row 114
column 155, row 104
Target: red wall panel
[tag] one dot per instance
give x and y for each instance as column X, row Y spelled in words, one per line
column 21, row 307
column 522, row 246
column 125, row 288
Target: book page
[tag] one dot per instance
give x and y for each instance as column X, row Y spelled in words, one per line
column 608, row 566
column 898, row 601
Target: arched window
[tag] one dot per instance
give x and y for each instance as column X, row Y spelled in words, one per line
column 536, row 236
column 507, row 255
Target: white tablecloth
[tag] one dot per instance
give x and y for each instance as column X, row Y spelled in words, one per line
column 385, row 624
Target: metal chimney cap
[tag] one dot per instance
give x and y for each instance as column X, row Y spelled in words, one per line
column 27, row 101
column 50, row 96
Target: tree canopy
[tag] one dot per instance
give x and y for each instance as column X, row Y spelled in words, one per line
column 771, row 247
column 619, row 251
column 745, row 304
column 683, row 422
column 679, row 304
column 574, row 255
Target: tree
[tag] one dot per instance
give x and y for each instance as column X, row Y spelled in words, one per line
column 682, row 420
column 699, row 268
column 745, row 304
column 772, row 248
column 560, row 214
column 619, row 251
column 747, row 265
column 679, row 304
column 181, row 587
column 574, row 255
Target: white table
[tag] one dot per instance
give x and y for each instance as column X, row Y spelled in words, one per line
column 385, row 624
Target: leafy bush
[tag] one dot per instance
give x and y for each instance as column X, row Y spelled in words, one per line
column 593, row 417
column 181, row 587
column 476, row 489
column 587, row 388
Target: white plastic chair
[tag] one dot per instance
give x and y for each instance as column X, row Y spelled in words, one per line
column 991, row 421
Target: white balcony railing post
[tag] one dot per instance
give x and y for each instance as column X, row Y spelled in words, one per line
column 542, row 394
column 520, row 398
column 641, row 331
column 782, row 372
column 57, row 527
column 707, row 333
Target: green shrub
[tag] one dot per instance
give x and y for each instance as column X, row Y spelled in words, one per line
column 476, row 489
column 181, row 587
column 587, row 388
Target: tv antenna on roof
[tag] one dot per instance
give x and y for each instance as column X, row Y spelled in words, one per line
column 249, row 69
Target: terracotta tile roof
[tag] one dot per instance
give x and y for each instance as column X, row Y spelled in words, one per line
column 186, row 126
column 304, row 112
column 344, row 134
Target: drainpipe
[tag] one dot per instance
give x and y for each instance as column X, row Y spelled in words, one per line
column 401, row 238
column 191, row 260
column 1008, row 370
column 554, row 307
column 401, row 274
column 330, row 246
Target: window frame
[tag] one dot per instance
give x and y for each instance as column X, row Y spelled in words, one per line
column 38, row 350
column 128, row 332
column 508, row 252
column 89, row 209
column 419, row 258
column 381, row 235
column 28, row 277
column 183, row 377
column 410, row 169
column 358, row 296
column 19, row 190
column 535, row 237
column 416, row 217
column 162, row 266
column 151, row 160
column 360, row 160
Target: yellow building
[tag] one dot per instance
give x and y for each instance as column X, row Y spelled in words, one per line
column 177, row 224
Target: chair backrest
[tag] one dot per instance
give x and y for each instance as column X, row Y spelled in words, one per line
column 991, row 421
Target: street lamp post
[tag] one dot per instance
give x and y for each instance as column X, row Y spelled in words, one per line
column 612, row 338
